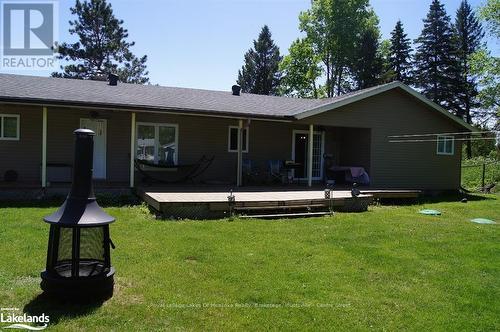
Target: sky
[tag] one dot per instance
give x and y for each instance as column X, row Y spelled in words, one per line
column 201, row 43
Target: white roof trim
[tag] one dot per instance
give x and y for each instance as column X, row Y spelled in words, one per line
column 348, row 100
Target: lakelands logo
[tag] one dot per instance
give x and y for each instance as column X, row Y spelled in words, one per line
column 28, row 34
column 17, row 320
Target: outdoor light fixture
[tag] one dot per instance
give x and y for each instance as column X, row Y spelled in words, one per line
column 78, row 255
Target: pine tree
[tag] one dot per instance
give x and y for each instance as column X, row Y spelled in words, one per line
column 260, row 72
column 102, row 46
column 367, row 68
column 435, row 64
column 468, row 35
column 400, row 54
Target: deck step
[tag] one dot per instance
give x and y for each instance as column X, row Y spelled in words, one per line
column 286, row 215
column 279, row 207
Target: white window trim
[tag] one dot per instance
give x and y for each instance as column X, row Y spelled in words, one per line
column 156, row 125
column 229, row 139
column 445, row 139
column 18, row 136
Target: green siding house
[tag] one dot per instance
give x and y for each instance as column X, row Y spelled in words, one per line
column 177, row 126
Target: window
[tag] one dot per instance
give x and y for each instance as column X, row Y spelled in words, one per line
column 9, row 127
column 157, row 143
column 445, row 145
column 232, row 145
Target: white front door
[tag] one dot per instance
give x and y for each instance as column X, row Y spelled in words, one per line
column 98, row 126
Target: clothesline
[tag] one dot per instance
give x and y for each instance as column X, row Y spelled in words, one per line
column 438, row 134
column 437, row 140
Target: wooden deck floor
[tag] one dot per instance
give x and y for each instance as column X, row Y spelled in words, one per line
column 206, row 202
column 245, row 196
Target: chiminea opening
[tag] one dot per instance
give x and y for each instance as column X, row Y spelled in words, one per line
column 236, row 90
column 78, row 256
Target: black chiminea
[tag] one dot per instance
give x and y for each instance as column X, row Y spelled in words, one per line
column 78, row 255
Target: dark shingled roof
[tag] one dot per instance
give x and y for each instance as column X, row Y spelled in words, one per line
column 71, row 92
column 98, row 93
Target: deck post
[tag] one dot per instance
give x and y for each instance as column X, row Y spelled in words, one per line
column 310, row 155
column 240, row 153
column 44, row 147
column 132, row 149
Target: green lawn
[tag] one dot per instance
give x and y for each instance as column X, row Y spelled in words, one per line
column 472, row 173
column 386, row 269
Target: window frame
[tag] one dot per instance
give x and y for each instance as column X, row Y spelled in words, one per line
column 157, row 125
column 18, row 129
column 247, row 130
column 445, row 139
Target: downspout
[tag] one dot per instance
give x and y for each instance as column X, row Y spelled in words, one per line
column 132, row 150
column 44, row 147
column 240, row 154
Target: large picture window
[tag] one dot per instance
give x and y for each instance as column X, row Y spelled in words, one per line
column 232, row 145
column 445, row 145
column 9, row 127
column 157, row 143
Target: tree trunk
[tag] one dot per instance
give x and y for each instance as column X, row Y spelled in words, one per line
column 339, row 82
column 328, row 81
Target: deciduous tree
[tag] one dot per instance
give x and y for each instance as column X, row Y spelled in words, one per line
column 300, row 70
column 334, row 28
column 487, row 67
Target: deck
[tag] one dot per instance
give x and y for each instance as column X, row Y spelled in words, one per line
column 205, row 202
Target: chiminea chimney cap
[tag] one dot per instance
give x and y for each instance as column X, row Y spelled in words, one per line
column 84, row 132
column 236, row 90
column 112, row 79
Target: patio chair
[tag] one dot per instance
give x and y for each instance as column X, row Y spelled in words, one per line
column 276, row 171
column 250, row 172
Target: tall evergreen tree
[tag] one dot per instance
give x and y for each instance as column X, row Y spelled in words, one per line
column 367, row 68
column 400, row 54
column 468, row 36
column 102, row 46
column 435, row 64
column 260, row 72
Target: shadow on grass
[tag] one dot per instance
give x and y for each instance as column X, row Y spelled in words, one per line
column 58, row 309
column 54, row 201
column 458, row 197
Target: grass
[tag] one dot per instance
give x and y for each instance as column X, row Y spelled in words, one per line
column 472, row 173
column 386, row 269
